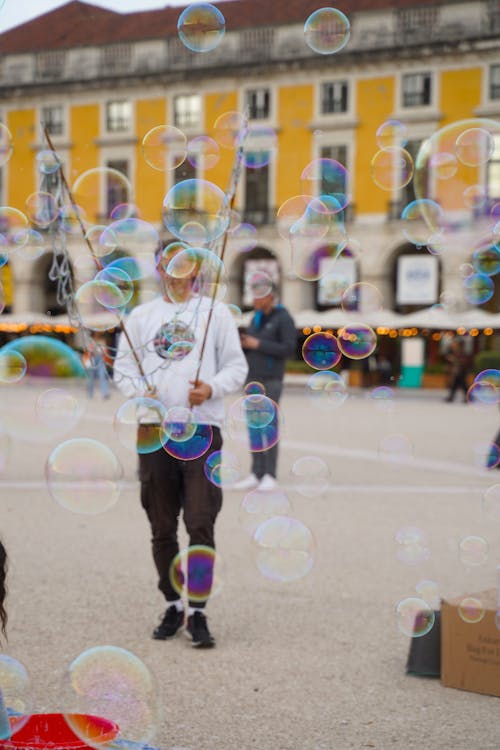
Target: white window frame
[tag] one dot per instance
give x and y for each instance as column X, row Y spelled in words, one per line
column 64, row 116
column 320, row 99
column 114, row 153
column 189, row 127
column 415, row 73
column 490, row 98
column 333, row 140
column 272, row 105
column 105, row 118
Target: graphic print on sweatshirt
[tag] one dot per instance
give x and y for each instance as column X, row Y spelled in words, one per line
column 174, row 340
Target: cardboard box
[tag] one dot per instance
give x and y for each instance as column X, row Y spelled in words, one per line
column 470, row 643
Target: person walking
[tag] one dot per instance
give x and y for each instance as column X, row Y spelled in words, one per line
column 96, row 368
column 270, row 339
column 457, row 363
column 166, row 336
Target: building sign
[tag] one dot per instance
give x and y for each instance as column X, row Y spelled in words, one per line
column 417, row 280
column 336, row 275
column 268, row 266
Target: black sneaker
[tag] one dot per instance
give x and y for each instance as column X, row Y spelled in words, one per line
column 170, row 624
column 197, row 630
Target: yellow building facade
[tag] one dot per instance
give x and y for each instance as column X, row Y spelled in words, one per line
column 307, row 106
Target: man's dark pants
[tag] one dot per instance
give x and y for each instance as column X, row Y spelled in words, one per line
column 266, row 461
column 169, row 486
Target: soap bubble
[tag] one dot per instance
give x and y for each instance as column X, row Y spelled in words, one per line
column 199, row 570
column 421, row 221
column 257, row 507
column 392, row 168
column 326, row 180
column 228, row 129
column 164, row 147
column 491, row 503
column 260, row 146
column 486, row 260
column 58, row 410
column 41, row 209
column 321, row 351
column 444, row 165
column 415, row 618
column 412, row 545
column 112, row 682
column 478, row 288
column 201, row 27
column 310, row 476
column 203, row 152
column 195, row 211
column 284, row 549
column 135, row 237
column 429, row 590
column 16, row 690
column 13, row 226
column 99, row 190
column 12, row 366
column 357, row 340
column 191, row 445
column 362, row 297
column 47, row 161
column 222, row 468
column 243, row 238
column 474, row 146
column 473, row 550
column 138, row 424
column 326, row 389
column 457, row 223
column 392, row 134
column 327, row 31
column 84, row 476
column 471, row 609
column 42, row 356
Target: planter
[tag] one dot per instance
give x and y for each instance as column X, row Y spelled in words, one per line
column 355, row 378
column 434, row 380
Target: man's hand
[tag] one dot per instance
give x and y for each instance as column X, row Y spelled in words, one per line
column 249, row 342
column 199, row 393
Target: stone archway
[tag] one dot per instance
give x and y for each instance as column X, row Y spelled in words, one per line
column 44, row 284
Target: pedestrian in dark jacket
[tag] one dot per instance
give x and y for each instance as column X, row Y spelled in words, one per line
column 268, row 342
column 457, row 366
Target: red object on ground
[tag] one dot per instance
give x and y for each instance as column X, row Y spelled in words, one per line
column 55, row 731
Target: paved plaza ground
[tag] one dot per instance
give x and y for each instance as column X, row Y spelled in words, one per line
column 315, row 664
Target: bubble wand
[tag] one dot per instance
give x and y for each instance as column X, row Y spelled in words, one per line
column 230, row 199
column 76, row 211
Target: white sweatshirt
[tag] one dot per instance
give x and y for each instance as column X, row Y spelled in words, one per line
column 224, row 366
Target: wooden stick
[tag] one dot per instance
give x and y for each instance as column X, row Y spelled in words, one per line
column 235, row 174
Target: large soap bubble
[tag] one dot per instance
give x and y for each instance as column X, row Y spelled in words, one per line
column 196, row 211
column 84, row 476
column 201, row 27
column 112, row 682
column 467, row 145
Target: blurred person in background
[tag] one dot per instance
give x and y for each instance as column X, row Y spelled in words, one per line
column 268, row 342
column 457, row 368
